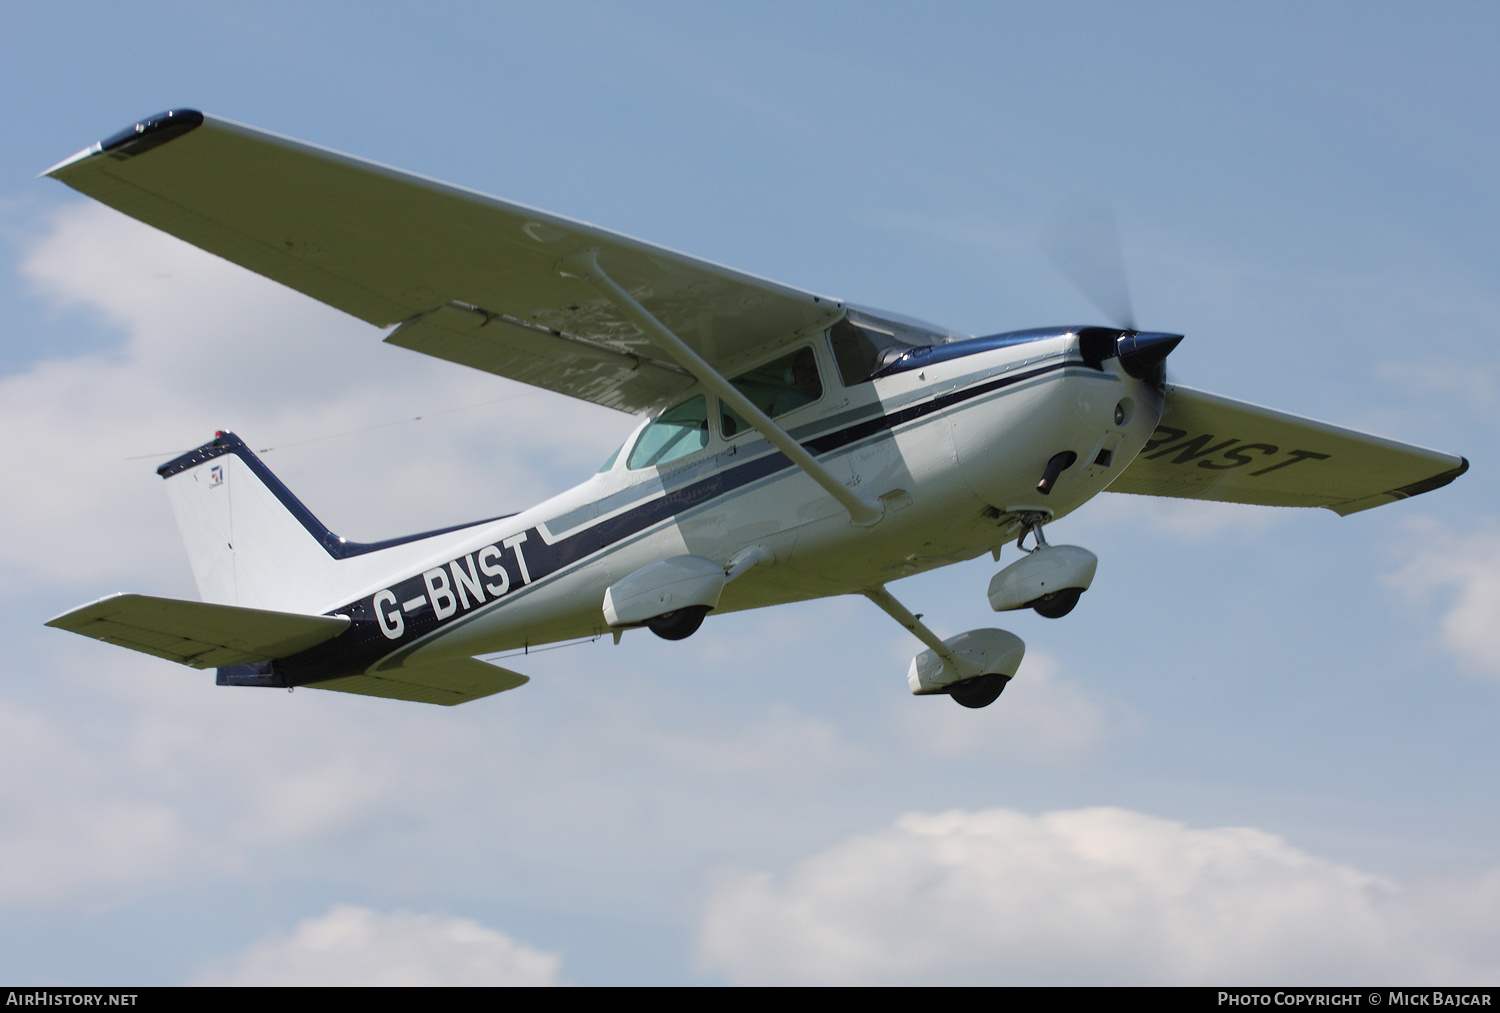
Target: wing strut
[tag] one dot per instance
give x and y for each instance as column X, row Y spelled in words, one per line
column 897, row 611
column 584, row 265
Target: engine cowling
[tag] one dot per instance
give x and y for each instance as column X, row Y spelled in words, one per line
column 667, row 585
column 1045, row 571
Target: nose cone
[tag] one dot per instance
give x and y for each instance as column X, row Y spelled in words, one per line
column 1141, row 352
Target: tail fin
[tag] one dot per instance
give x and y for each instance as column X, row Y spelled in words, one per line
column 250, row 541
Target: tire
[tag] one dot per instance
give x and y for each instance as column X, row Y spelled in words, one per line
column 679, row 624
column 1058, row 603
column 980, row 691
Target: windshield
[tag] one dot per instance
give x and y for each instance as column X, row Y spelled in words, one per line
column 676, row 433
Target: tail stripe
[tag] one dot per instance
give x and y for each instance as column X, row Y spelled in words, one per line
column 338, row 548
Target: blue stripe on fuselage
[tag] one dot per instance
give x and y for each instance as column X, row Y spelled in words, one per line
column 364, row 644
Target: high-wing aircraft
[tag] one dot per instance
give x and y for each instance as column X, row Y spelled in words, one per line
column 791, row 446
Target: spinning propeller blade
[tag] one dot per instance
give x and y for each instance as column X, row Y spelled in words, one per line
column 1084, row 243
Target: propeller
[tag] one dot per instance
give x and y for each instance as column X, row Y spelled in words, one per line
column 1084, row 243
column 1082, row 240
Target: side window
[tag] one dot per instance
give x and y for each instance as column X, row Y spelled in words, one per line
column 776, row 388
column 676, row 433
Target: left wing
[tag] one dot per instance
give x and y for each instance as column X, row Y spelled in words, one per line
column 471, row 278
column 1215, row 448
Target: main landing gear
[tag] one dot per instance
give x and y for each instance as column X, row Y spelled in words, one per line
column 1058, row 603
column 980, row 691
column 974, row 667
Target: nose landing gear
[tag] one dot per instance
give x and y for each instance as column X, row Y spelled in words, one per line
column 1048, row 580
column 1058, row 603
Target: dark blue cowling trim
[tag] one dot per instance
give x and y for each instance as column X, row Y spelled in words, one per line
column 338, row 548
column 926, row 355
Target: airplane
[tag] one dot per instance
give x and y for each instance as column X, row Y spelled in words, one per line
column 791, row 446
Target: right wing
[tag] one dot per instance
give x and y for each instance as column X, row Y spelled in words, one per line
column 1215, row 448
column 471, row 278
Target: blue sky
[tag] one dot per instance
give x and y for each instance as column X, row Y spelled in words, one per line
column 1262, row 748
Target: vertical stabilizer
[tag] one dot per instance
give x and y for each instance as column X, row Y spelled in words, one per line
column 253, row 544
column 244, row 538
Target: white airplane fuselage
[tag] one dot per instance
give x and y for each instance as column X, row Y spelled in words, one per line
column 952, row 451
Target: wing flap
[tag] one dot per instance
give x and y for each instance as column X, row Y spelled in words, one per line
column 447, row 683
column 388, row 246
column 567, row 365
column 1215, row 448
column 199, row 634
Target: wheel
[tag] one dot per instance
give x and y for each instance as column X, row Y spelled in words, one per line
column 678, row 625
column 980, row 691
column 1058, row 603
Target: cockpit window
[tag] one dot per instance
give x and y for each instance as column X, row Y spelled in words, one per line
column 779, row 386
column 676, row 433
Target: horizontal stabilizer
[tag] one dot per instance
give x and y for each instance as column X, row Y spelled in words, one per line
column 1214, row 448
column 196, row 633
column 442, row 682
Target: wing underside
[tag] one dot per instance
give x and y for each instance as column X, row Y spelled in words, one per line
column 392, row 247
column 442, row 682
column 1215, row 448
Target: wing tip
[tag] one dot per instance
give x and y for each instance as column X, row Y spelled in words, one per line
column 137, row 139
column 1435, row 482
column 59, row 622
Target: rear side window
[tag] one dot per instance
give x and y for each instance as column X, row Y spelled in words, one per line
column 676, row 433
column 780, row 386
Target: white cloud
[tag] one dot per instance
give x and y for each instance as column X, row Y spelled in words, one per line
column 1463, row 569
column 175, row 785
column 51, row 846
column 156, row 776
column 1091, row 896
column 356, row 946
column 207, row 345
